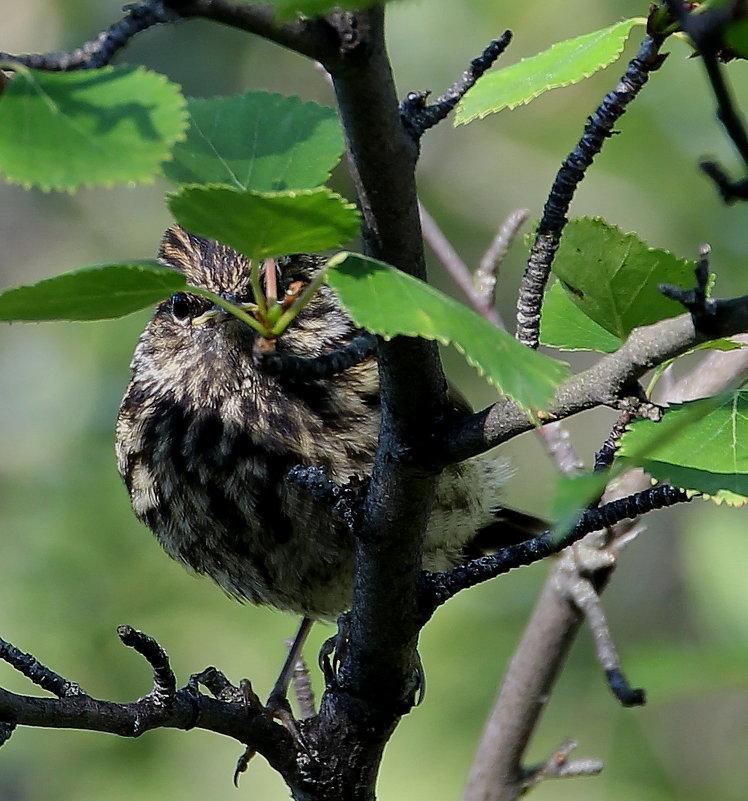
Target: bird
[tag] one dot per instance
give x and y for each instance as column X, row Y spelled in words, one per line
column 207, row 441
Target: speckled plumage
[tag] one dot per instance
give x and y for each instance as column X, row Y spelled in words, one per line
column 205, row 442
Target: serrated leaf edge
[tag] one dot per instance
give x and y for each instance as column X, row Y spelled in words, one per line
column 460, row 119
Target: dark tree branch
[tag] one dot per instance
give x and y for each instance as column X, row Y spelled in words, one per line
column 164, row 680
column 604, row 457
column 38, row 673
column 697, row 302
column 599, row 127
column 418, row 117
column 705, row 30
column 729, row 190
column 6, row 730
column 101, row 50
column 298, row 368
column 226, row 714
column 440, row 587
column 317, row 38
column 384, row 621
column 606, row 383
column 344, row 500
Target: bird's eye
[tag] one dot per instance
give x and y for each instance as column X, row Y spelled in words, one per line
column 180, row 307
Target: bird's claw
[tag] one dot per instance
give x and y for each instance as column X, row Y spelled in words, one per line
column 276, row 708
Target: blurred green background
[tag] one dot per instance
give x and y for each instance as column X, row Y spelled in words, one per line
column 75, row 563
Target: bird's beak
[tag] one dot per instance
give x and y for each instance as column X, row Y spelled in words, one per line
column 220, row 315
column 216, row 313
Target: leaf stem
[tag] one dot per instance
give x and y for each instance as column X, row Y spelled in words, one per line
column 231, row 308
column 290, row 314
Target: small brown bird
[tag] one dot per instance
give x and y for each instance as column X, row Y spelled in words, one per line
column 205, row 443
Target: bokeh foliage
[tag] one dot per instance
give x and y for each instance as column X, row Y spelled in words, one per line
column 76, row 563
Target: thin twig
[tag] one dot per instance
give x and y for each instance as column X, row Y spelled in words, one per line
column 705, row 30
column 559, row 766
column 557, row 442
column 164, row 680
column 418, row 117
column 587, row 600
column 599, row 127
column 38, row 673
column 696, row 300
column 448, row 257
column 302, row 685
column 604, row 457
column 485, row 276
column 481, row 300
column 101, row 50
column 440, row 587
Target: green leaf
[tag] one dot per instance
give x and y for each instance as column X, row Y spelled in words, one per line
column 91, row 293
column 613, row 277
column 386, row 301
column 563, row 325
column 571, row 495
column 562, row 64
column 261, row 225
column 63, row 130
column 735, row 37
column 257, row 140
column 710, row 453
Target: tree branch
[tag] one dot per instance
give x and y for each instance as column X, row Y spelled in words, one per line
column 101, row 50
column 418, row 117
column 497, row 773
column 599, row 127
column 38, row 673
column 314, row 37
column 606, row 383
column 384, row 623
column 163, row 707
column 705, row 30
column 438, row 588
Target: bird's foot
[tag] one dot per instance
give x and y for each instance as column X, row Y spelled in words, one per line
column 277, row 708
column 334, row 652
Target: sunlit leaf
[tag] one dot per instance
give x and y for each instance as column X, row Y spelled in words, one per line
column 91, row 293
column 613, row 277
column 389, row 302
column 261, row 225
column 710, row 453
column 63, row 130
column 563, row 325
column 257, row 140
column 562, row 64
